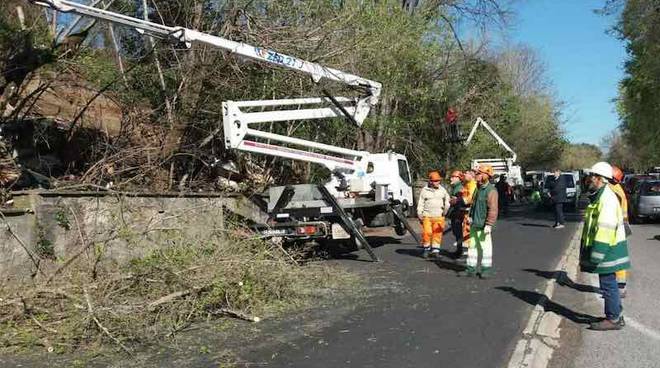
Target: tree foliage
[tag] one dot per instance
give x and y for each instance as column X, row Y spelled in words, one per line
column 639, row 105
column 580, row 156
column 171, row 97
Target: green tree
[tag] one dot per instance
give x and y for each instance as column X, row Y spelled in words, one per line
column 639, row 105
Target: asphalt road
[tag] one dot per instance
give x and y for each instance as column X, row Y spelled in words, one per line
column 431, row 317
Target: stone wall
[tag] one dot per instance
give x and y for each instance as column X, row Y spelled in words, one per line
column 105, row 230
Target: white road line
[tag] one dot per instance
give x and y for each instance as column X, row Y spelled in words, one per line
column 643, row 329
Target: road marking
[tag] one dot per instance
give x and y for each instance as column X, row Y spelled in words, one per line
column 535, row 348
column 643, row 329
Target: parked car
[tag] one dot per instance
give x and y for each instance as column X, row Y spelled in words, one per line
column 629, row 185
column 645, row 200
column 533, row 180
column 573, row 190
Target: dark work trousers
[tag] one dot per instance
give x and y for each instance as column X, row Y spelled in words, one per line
column 504, row 204
column 559, row 213
column 457, row 230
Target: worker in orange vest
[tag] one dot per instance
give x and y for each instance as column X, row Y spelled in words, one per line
column 432, row 207
column 617, row 188
column 469, row 187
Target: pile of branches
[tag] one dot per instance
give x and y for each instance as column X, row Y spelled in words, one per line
column 88, row 299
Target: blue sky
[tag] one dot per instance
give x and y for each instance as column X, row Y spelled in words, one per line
column 584, row 64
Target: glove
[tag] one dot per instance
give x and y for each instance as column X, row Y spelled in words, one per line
column 469, row 220
column 628, row 229
column 488, row 229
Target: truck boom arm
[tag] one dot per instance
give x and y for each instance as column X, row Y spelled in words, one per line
column 188, row 36
column 239, row 117
column 490, row 130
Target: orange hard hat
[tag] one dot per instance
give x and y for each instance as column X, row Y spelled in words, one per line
column 617, row 174
column 434, row 176
column 457, row 174
column 486, row 169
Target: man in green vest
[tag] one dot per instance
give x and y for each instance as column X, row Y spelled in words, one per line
column 483, row 215
column 603, row 248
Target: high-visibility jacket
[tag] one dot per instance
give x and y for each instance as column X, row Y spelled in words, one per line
column 469, row 188
column 621, row 194
column 604, row 248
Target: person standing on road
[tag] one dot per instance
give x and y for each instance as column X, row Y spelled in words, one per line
column 603, row 247
column 617, row 188
column 504, row 192
column 483, row 216
column 432, row 207
column 558, row 197
column 465, row 200
column 457, row 210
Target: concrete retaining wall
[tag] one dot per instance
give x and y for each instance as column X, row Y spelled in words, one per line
column 107, row 229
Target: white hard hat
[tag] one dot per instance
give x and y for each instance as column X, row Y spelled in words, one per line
column 601, row 169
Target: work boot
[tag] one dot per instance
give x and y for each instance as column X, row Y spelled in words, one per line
column 435, row 252
column 426, row 252
column 458, row 253
column 560, row 226
column 606, row 325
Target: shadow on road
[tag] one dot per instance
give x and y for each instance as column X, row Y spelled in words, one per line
column 562, row 279
column 341, row 252
column 379, row 241
column 413, row 252
column 533, row 225
column 449, row 265
column 533, row 298
column 445, row 260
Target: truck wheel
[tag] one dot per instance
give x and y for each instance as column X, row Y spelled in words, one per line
column 405, row 209
column 400, row 228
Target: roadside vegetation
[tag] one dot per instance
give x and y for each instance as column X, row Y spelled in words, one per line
column 89, row 300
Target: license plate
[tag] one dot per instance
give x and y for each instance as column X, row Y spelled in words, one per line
column 273, row 232
column 338, row 232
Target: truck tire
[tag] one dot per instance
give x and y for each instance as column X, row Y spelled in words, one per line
column 399, row 228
